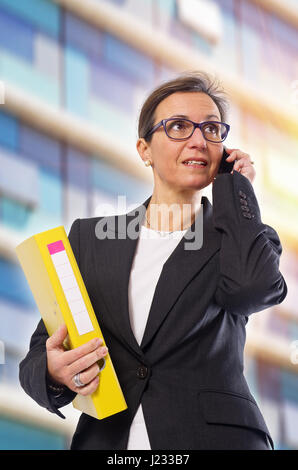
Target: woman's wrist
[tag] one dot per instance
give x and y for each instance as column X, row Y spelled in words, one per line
column 56, row 389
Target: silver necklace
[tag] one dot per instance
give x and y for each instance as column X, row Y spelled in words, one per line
column 161, row 233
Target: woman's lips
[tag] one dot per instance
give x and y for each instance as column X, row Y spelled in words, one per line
column 195, row 165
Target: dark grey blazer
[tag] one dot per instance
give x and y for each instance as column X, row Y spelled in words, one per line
column 188, row 370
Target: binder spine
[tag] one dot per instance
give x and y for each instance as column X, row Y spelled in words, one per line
column 70, row 287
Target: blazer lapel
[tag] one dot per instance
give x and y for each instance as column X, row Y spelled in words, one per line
column 113, row 270
column 181, row 266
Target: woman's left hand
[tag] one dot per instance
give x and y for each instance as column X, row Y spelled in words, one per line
column 243, row 163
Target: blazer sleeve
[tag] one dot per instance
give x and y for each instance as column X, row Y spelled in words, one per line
column 33, row 373
column 249, row 278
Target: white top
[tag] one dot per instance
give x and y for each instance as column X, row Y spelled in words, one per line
column 153, row 250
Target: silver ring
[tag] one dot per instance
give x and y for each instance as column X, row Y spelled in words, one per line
column 77, row 381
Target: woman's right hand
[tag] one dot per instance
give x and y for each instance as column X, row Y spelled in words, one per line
column 64, row 365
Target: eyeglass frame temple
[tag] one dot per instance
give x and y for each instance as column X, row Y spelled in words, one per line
column 195, row 124
column 161, row 123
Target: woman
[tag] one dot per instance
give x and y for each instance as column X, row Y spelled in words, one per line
column 172, row 313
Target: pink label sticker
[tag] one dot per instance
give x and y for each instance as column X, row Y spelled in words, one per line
column 56, row 247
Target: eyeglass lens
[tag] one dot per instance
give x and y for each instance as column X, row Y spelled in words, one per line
column 180, row 129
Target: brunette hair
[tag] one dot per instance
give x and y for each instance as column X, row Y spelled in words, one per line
column 187, row 82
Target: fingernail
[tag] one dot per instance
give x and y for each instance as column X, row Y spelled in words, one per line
column 104, row 351
column 99, row 341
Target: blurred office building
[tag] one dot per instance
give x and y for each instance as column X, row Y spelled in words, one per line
column 73, row 77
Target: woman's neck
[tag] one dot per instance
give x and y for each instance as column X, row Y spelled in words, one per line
column 172, row 213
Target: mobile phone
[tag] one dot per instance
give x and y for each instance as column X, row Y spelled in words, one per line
column 225, row 167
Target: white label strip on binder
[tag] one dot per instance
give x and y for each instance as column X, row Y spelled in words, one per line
column 70, row 287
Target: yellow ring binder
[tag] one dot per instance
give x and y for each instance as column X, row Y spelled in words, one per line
column 56, row 283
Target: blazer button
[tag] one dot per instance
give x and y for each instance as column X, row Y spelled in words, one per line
column 242, row 194
column 142, row 372
column 247, row 215
column 245, row 208
column 243, row 202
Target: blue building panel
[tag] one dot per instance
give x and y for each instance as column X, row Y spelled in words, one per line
column 117, row 2
column 40, row 148
column 230, row 30
column 201, row 44
column 16, row 36
column 111, row 119
column 18, row 179
column 51, row 193
column 9, row 131
column 251, row 60
column 14, row 286
column 114, row 182
column 253, row 16
column 289, row 386
column 76, row 81
column 293, row 330
column 180, row 31
column 14, row 214
column 47, row 56
column 269, row 381
column 112, row 86
column 168, row 6
column 19, row 72
column 226, row 5
column 24, row 316
column 285, row 35
column 132, row 62
column 83, row 36
column 78, row 169
column 43, row 14
column 16, row 435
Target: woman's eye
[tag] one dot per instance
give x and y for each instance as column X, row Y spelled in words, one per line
column 178, row 125
column 212, row 129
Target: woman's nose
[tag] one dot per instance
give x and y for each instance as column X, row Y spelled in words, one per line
column 197, row 139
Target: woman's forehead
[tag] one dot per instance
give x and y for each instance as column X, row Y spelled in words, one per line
column 187, row 104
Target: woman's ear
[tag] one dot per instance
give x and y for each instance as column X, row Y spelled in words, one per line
column 143, row 149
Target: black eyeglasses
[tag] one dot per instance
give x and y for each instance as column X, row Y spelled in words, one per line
column 183, row 129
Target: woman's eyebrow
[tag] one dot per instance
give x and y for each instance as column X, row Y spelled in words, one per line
column 179, row 116
column 209, row 116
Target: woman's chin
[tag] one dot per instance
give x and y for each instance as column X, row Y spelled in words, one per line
column 196, row 183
